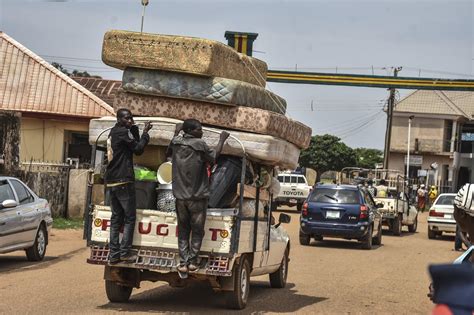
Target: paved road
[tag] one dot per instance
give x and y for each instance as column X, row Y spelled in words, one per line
column 329, row 277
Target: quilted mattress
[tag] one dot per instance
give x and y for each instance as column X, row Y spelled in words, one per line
column 206, row 57
column 207, row 89
column 230, row 117
column 265, row 149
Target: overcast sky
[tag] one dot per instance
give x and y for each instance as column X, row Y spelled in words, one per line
column 431, row 38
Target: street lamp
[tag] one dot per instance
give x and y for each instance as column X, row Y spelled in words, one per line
column 144, row 4
column 408, row 145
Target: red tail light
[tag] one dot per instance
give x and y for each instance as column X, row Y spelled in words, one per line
column 433, row 213
column 363, row 212
column 304, row 211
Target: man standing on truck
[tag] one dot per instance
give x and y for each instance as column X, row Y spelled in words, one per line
column 382, row 189
column 124, row 141
column 371, row 188
column 190, row 159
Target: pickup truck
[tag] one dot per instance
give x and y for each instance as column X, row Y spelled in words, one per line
column 396, row 208
column 294, row 190
column 239, row 243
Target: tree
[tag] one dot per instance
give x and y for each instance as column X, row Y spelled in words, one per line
column 74, row 73
column 367, row 158
column 327, row 153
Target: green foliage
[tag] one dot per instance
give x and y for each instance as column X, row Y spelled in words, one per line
column 367, row 158
column 74, row 73
column 63, row 224
column 327, row 153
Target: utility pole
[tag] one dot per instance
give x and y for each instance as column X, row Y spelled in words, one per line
column 144, row 4
column 388, row 132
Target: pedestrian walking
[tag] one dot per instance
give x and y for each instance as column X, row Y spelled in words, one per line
column 432, row 194
column 123, row 142
column 421, row 194
column 190, row 160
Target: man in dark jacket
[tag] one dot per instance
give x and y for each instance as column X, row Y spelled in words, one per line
column 191, row 157
column 123, row 142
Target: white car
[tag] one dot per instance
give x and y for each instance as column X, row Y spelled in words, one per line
column 440, row 218
column 25, row 219
column 294, row 190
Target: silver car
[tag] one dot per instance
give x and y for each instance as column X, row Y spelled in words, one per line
column 25, row 219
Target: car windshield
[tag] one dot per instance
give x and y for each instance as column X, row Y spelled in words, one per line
column 5, row 191
column 330, row 195
column 445, row 200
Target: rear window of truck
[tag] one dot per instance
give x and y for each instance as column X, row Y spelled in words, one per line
column 340, row 196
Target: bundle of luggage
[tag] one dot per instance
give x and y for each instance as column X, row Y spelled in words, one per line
column 171, row 78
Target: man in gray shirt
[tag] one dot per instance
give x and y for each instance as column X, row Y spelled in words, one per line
column 191, row 158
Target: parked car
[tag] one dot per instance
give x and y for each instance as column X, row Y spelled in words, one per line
column 341, row 211
column 25, row 219
column 440, row 217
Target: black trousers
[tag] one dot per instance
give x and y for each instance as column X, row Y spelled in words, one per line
column 123, row 204
column 191, row 219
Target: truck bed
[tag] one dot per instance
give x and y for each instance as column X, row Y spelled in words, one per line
column 155, row 239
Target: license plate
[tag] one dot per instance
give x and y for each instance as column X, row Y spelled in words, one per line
column 332, row 214
column 448, row 216
column 293, row 201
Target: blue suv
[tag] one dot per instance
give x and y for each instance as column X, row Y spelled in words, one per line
column 341, row 211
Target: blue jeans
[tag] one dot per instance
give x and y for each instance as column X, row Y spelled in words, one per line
column 123, row 204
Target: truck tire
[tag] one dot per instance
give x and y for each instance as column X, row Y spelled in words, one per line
column 117, row 293
column 299, row 207
column 304, row 239
column 378, row 239
column 278, row 278
column 38, row 250
column 431, row 234
column 367, row 239
column 412, row 227
column 397, row 226
column 237, row 299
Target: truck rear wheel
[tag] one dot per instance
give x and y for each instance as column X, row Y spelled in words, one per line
column 116, row 292
column 237, row 299
column 412, row 227
column 278, row 278
column 397, row 226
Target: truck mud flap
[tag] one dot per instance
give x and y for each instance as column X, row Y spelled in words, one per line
column 129, row 277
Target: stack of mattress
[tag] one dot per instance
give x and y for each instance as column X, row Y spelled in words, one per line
column 175, row 77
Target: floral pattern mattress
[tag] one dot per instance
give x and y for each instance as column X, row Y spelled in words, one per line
column 230, row 117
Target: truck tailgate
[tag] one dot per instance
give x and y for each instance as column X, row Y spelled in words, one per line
column 156, row 229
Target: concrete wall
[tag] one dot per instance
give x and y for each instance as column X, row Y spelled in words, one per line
column 397, row 162
column 10, row 133
column 43, row 139
column 430, row 133
column 77, row 192
column 49, row 185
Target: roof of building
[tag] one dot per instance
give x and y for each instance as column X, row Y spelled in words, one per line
column 104, row 89
column 28, row 83
column 438, row 102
